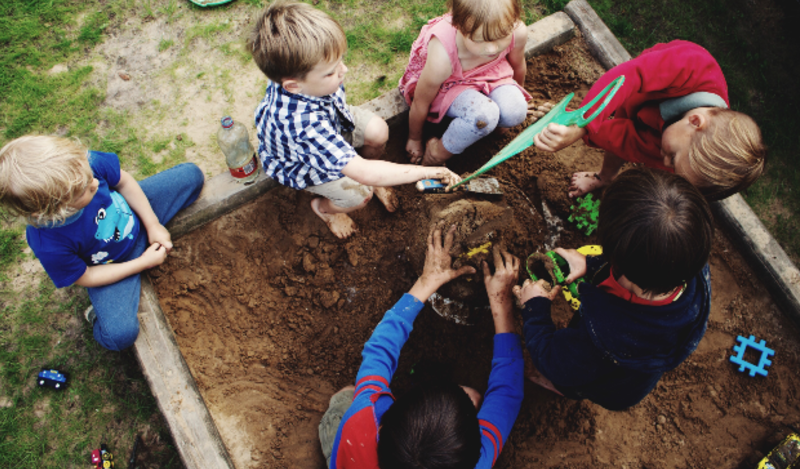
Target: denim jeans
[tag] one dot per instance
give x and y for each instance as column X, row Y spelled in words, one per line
column 116, row 305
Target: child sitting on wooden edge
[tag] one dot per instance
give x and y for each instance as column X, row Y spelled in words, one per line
column 644, row 303
column 92, row 224
column 306, row 130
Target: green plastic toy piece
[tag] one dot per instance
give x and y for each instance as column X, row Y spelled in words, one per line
column 585, row 214
column 557, row 115
column 560, row 272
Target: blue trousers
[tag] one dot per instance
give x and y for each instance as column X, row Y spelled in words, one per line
column 117, row 304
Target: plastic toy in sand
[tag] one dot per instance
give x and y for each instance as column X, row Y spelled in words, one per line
column 784, row 456
column 555, row 269
column 585, row 214
column 760, row 346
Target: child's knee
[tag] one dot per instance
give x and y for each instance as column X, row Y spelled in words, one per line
column 512, row 117
column 376, row 133
column 120, row 338
column 485, row 120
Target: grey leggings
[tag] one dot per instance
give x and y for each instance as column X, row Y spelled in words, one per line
column 476, row 115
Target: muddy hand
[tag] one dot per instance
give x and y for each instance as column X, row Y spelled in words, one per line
column 539, row 111
column 506, row 274
column 415, row 150
column 438, row 268
column 529, row 290
column 576, row 261
column 155, row 255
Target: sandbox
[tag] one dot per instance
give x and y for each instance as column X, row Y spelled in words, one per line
column 270, row 313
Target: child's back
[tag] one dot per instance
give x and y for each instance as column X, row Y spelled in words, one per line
column 645, row 302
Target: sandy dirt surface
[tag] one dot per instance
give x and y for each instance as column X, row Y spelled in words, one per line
column 271, row 313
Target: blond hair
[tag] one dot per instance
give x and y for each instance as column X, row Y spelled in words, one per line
column 729, row 155
column 498, row 18
column 289, row 39
column 41, row 175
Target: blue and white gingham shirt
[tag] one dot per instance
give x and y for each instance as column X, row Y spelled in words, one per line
column 300, row 141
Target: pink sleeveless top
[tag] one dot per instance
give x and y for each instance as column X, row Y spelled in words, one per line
column 483, row 78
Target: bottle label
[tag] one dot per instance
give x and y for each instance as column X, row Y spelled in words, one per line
column 245, row 170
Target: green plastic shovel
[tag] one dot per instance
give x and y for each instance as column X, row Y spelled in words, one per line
column 558, row 115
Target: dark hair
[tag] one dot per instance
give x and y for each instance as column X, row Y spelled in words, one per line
column 655, row 228
column 431, row 427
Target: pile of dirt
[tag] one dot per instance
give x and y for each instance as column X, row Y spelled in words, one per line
column 271, row 313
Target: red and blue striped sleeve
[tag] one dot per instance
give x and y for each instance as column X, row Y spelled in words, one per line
column 382, row 350
column 503, row 398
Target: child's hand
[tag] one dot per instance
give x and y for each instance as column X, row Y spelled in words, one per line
column 159, row 234
column 443, row 174
column 155, row 255
column 415, row 150
column 530, row 290
column 576, row 261
column 540, row 111
column 438, row 268
column 506, row 274
column 554, row 137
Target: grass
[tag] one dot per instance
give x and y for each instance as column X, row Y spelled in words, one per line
column 39, row 327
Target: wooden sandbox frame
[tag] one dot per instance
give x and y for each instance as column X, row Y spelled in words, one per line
column 196, row 436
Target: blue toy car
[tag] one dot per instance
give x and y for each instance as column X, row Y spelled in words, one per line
column 52, row 379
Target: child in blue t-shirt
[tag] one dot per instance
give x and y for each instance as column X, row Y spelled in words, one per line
column 92, row 224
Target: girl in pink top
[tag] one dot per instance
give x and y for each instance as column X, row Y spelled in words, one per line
column 469, row 65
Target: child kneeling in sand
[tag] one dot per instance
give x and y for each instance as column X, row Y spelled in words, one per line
column 307, row 132
column 92, row 224
column 672, row 114
column 644, row 303
column 437, row 425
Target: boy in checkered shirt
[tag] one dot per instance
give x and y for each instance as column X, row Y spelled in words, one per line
column 307, row 132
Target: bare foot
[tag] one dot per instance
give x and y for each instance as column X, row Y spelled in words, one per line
column 435, row 153
column 387, row 197
column 583, row 183
column 536, row 378
column 340, row 224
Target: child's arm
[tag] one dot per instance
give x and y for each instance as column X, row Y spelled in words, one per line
column 437, row 69
column 385, row 173
column 159, row 237
column 133, row 194
column 382, row 350
column 504, row 395
column 517, row 56
column 566, row 357
column 106, row 274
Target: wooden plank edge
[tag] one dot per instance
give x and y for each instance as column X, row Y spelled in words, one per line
column 549, row 32
column 601, row 41
column 771, row 263
column 221, row 194
column 196, row 436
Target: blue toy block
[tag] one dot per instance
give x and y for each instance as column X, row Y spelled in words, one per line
column 763, row 362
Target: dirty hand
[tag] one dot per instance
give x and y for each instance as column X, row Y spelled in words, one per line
column 539, row 111
column 529, row 290
column 438, row 268
column 443, row 174
column 155, row 255
column 506, row 274
column 415, row 150
column 159, row 234
column 576, row 261
column 554, row 137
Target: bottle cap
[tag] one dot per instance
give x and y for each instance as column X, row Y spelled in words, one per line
column 227, row 122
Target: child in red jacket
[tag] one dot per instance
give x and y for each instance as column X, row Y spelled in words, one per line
column 672, row 114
